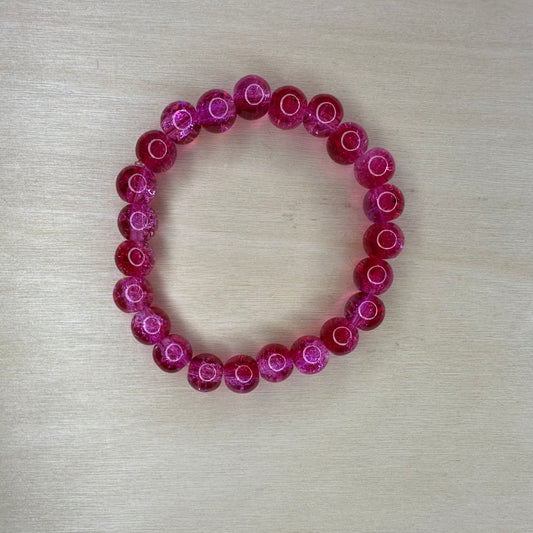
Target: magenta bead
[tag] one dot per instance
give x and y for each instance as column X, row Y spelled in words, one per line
column 383, row 240
column 179, row 120
column 309, row 354
column 150, row 325
column 134, row 259
column 251, row 95
column 287, row 107
column 374, row 168
column 364, row 311
column 205, row 372
column 373, row 275
column 274, row 362
column 156, row 151
column 241, row 373
column 216, row 111
column 132, row 294
column 384, row 203
column 137, row 222
column 136, row 184
column 172, row 353
column 339, row 335
column 347, row 143
column 323, row 115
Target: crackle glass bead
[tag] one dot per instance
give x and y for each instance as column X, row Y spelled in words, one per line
column 323, row 115
column 309, row 354
column 251, row 95
column 172, row 353
column 339, row 335
column 287, row 107
column 241, row 373
column 274, row 362
column 134, row 259
column 347, row 143
column 364, row 311
column 383, row 240
column 136, row 184
column 156, row 151
column 216, row 111
column 205, row 372
column 137, row 222
column 132, row 294
column 150, row 325
column 179, row 120
column 373, row 275
column 384, row 203
column 374, row 168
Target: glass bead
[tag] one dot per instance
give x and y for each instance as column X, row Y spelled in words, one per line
column 287, row 107
column 251, row 95
column 179, row 120
column 274, row 362
column 216, row 111
column 339, row 335
column 132, row 294
column 374, row 168
column 241, row 373
column 134, row 259
column 323, row 115
column 172, row 353
column 384, row 203
column 137, row 222
column 156, row 151
column 309, row 354
column 373, row 275
column 136, row 184
column 383, row 240
column 364, row 311
column 347, row 143
column 205, row 372
column 150, row 325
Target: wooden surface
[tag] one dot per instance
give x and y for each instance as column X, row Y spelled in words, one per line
column 427, row 427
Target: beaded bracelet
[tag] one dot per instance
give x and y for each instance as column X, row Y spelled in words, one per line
column 216, row 112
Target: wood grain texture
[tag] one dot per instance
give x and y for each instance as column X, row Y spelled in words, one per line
column 427, row 427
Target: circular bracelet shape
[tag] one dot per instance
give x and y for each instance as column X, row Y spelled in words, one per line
column 216, row 111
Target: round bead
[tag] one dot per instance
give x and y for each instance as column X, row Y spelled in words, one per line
column 347, row 143
column 137, row 222
column 132, row 294
column 216, row 111
column 384, row 203
column 179, row 120
column 134, row 259
column 156, row 151
column 150, row 325
column 323, row 115
column 373, row 275
column 274, row 362
column 172, row 353
column 136, row 184
column 241, row 373
column 309, row 354
column 287, row 107
column 364, row 311
column 383, row 240
column 339, row 335
column 205, row 372
column 374, row 168
column 252, row 97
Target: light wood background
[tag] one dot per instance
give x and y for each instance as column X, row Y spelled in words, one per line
column 427, row 427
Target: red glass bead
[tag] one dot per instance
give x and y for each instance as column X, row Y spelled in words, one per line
column 287, row 107
column 323, row 115
column 364, row 311
column 179, row 120
column 274, row 362
column 150, row 325
column 241, row 373
column 134, row 259
column 309, row 354
column 216, row 111
column 172, row 353
column 132, row 294
column 205, row 372
column 136, row 184
column 251, row 95
column 383, row 240
column 156, row 151
column 347, row 143
column 137, row 222
column 339, row 335
column 374, row 168
column 384, row 203
column 373, row 275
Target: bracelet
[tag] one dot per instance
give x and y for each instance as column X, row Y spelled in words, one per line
column 216, row 112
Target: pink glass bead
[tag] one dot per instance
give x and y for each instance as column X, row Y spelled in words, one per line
column 374, row 168
column 287, row 107
column 134, row 259
column 179, row 120
column 156, row 151
column 323, row 115
column 241, row 373
column 205, row 372
column 339, row 335
column 364, row 311
column 347, row 143
column 383, row 240
column 373, row 275
column 150, row 325
column 274, row 362
column 384, row 203
column 252, row 97
column 136, row 184
column 132, row 294
column 216, row 111
column 137, row 222
column 309, row 354
column 172, row 353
